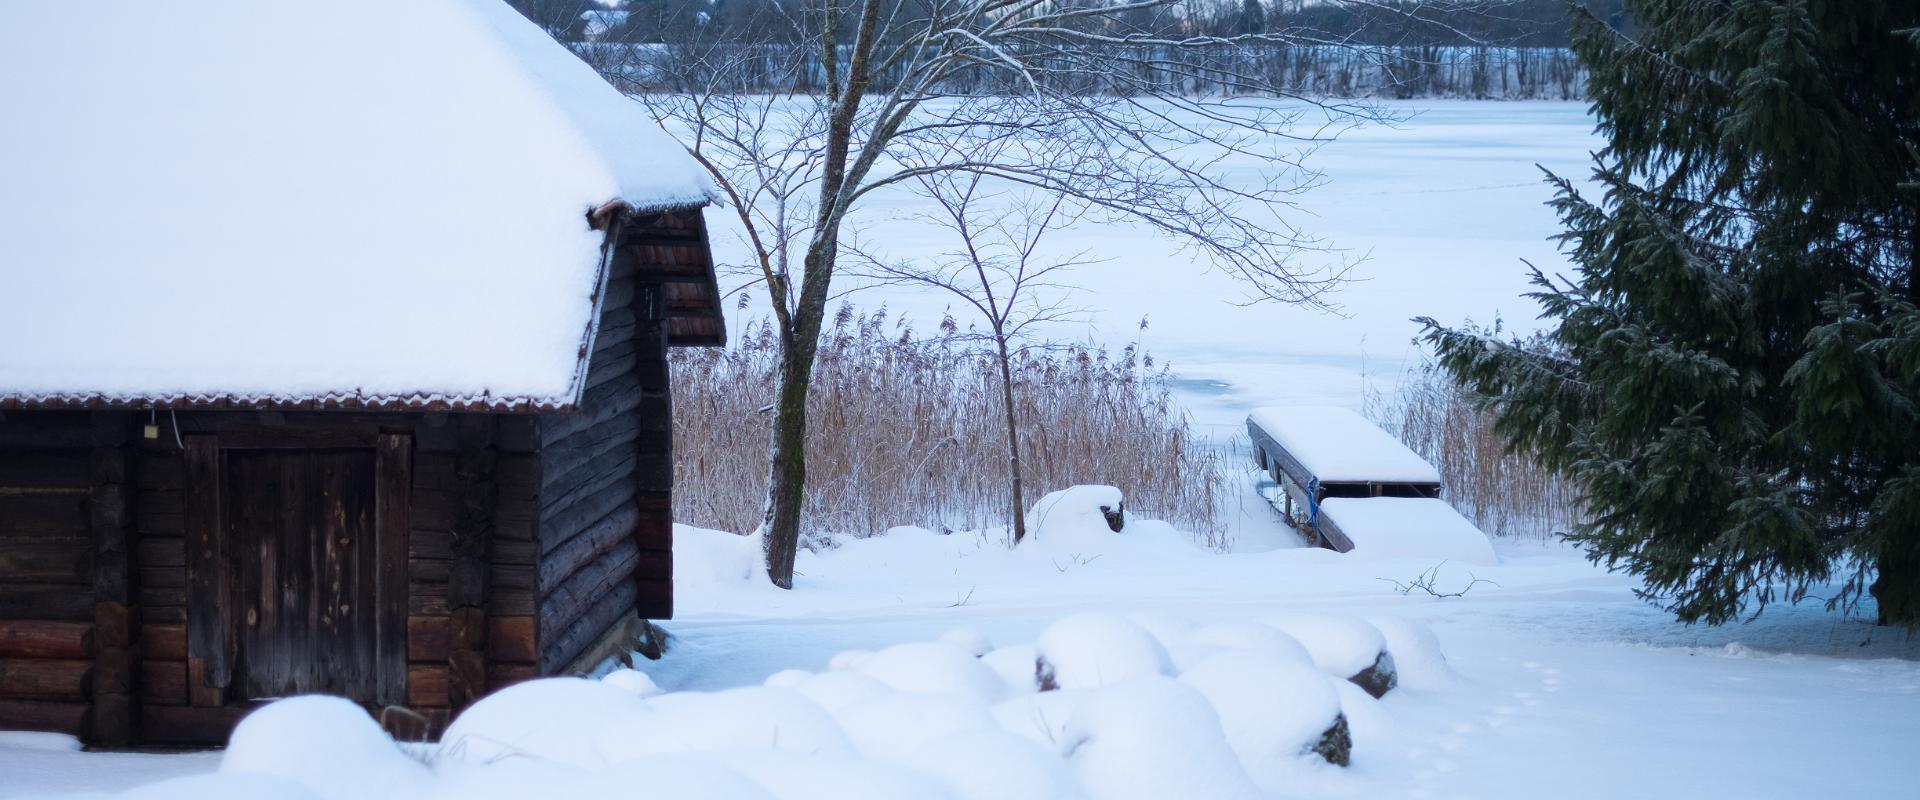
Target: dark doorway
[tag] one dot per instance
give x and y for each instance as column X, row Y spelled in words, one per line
column 300, row 534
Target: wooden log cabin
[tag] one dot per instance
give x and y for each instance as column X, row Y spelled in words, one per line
column 326, row 427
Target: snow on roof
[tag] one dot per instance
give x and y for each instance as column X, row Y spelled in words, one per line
column 1407, row 527
column 1337, row 445
column 357, row 202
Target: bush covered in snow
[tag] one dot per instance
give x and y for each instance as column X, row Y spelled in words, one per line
column 1096, row 709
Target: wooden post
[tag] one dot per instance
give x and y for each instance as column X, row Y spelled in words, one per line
column 472, row 534
column 111, row 721
column 393, row 524
column 209, row 592
column 653, row 465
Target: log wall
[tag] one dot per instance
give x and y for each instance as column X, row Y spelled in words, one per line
column 605, row 513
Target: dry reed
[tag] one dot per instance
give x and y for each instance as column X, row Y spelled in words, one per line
column 1505, row 493
column 905, row 430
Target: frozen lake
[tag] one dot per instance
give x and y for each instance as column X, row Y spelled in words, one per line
column 1443, row 207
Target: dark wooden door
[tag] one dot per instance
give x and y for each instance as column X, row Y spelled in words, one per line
column 300, row 536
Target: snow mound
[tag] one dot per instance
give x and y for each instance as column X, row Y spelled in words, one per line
column 832, row 690
column 1273, row 709
column 1150, row 739
column 705, row 559
column 1252, row 636
column 561, row 720
column 894, row 726
column 1020, row 768
column 777, row 720
column 1341, row 645
column 796, row 776
column 327, row 744
column 1072, row 519
column 1416, row 653
column 931, row 667
column 1407, row 528
column 1016, row 667
column 972, row 640
column 632, row 680
column 1090, row 650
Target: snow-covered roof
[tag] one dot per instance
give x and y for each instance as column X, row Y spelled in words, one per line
column 357, row 202
column 1337, row 445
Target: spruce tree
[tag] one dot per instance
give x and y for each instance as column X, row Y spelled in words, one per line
column 1733, row 378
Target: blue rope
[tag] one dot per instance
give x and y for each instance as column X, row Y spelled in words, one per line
column 1313, row 501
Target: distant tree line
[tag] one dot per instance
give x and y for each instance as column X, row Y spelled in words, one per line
column 1514, row 49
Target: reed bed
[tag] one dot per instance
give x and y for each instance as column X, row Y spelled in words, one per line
column 906, row 430
column 1506, row 493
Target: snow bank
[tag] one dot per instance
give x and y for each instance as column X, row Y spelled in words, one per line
column 1407, row 528
column 1416, row 653
column 1337, row 445
column 914, row 721
column 438, row 178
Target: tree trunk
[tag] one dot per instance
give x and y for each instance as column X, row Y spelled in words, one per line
column 786, row 488
column 1897, row 590
column 1013, row 442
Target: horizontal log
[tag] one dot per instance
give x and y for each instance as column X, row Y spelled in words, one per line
column 427, row 685
column 575, row 596
column 45, row 678
column 160, row 596
column 564, row 523
column 163, row 682
column 174, row 577
column 43, row 715
column 159, row 470
column 163, row 615
column 511, row 640
column 502, row 577
column 433, row 471
column 163, row 641
column 46, row 601
column 429, row 570
column 427, row 638
column 151, row 552
column 191, row 725
column 500, row 676
column 46, row 563
column 36, row 517
column 600, row 402
column 517, row 473
column 517, row 433
column 508, row 601
column 569, row 641
column 433, row 509
column 47, row 430
column 588, row 545
column 35, row 638
column 513, row 552
column 44, row 469
column 430, row 544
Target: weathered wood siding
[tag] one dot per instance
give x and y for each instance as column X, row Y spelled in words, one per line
column 62, row 570
column 605, row 510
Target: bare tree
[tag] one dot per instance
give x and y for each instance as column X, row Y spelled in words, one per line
column 997, row 270
column 1097, row 117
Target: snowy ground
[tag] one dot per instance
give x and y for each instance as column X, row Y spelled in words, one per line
column 1565, row 684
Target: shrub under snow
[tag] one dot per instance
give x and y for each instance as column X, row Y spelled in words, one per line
column 1086, row 651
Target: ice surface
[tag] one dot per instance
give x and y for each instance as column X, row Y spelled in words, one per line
column 349, row 200
column 1407, row 528
column 1335, row 444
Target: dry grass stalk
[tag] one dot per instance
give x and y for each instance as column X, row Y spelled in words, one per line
column 1505, row 493
column 908, row 431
